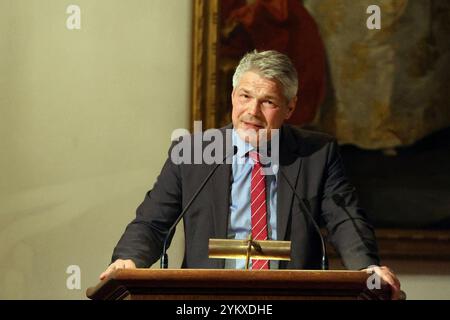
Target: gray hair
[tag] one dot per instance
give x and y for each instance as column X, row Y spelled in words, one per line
column 270, row 64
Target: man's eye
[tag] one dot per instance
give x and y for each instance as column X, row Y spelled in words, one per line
column 269, row 103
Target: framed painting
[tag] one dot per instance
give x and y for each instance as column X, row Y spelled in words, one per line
column 224, row 30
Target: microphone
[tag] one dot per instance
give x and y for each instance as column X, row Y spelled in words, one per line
column 164, row 263
column 304, row 204
column 340, row 202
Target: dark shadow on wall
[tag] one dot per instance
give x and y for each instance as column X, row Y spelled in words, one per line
column 410, row 190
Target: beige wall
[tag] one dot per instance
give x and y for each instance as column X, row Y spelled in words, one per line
column 423, row 279
column 85, row 122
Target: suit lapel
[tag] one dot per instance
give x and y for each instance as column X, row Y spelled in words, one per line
column 290, row 164
column 221, row 200
column 220, row 192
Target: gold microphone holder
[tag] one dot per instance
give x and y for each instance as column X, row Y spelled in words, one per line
column 249, row 249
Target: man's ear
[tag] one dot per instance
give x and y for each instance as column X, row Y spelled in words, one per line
column 291, row 107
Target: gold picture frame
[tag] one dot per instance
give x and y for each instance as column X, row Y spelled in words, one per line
column 204, row 62
column 208, row 105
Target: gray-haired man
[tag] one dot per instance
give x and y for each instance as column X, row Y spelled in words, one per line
column 239, row 200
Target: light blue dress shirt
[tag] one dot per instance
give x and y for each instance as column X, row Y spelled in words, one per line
column 239, row 222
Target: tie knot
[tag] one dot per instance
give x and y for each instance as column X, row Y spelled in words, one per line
column 254, row 155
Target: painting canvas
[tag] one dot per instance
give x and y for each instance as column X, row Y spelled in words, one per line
column 382, row 93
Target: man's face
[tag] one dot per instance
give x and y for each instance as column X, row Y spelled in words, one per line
column 259, row 105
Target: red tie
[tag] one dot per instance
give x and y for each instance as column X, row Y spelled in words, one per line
column 258, row 207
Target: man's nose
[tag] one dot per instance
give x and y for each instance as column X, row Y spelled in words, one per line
column 254, row 107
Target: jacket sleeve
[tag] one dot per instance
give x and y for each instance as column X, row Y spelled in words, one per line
column 143, row 238
column 350, row 233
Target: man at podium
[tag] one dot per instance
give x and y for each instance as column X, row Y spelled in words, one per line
column 276, row 191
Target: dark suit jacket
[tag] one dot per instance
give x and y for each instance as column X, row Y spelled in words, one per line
column 311, row 162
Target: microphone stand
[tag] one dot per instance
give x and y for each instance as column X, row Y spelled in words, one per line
column 164, row 263
column 305, row 207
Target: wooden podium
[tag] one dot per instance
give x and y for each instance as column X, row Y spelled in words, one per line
column 204, row 284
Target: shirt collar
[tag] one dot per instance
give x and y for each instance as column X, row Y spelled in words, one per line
column 243, row 147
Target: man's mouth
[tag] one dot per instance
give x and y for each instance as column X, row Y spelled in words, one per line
column 254, row 125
